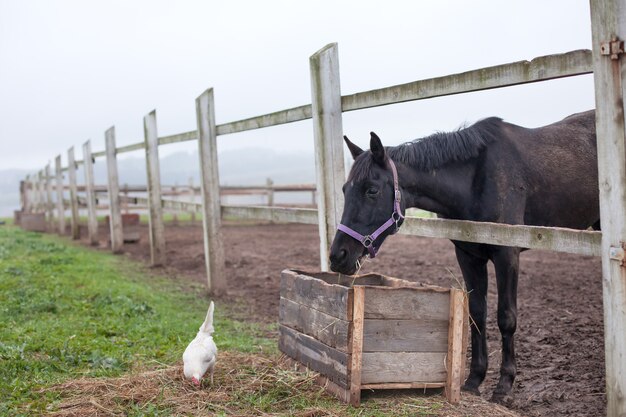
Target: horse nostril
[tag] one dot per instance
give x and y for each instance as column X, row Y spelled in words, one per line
column 338, row 256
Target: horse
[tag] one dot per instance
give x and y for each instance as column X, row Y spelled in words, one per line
column 491, row 171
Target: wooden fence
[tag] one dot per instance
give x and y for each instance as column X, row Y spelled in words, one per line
column 326, row 111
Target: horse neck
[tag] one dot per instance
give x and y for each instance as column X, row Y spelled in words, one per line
column 445, row 190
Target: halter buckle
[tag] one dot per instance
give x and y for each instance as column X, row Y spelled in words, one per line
column 367, row 241
column 398, row 196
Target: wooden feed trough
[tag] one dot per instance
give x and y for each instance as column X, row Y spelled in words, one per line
column 374, row 332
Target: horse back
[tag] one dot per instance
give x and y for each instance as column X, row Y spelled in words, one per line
column 546, row 176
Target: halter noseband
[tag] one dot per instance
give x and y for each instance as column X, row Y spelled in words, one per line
column 396, row 216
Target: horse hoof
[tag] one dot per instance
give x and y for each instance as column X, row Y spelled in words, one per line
column 471, row 388
column 500, row 398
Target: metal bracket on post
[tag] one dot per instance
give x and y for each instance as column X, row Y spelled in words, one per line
column 613, row 48
column 617, row 253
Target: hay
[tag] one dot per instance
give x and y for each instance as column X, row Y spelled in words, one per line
column 245, row 384
column 237, row 376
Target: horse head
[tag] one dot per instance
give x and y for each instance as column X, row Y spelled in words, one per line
column 372, row 209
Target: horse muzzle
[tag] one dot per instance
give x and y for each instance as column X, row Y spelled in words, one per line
column 345, row 256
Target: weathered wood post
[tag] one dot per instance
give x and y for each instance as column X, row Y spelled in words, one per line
column 49, row 203
column 125, row 199
column 26, row 204
column 90, row 195
column 328, row 132
column 192, row 199
column 71, row 173
column 155, row 219
column 115, row 216
column 34, row 198
column 609, row 69
column 210, row 188
column 23, row 195
column 60, row 202
column 175, row 197
column 39, row 191
column 270, row 192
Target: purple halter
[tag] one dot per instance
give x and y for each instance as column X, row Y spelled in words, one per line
column 368, row 240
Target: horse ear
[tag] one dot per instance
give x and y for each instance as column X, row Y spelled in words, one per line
column 377, row 149
column 354, row 149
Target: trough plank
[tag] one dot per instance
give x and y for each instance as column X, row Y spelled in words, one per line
column 397, row 367
column 327, row 329
column 455, row 363
column 356, row 365
column 405, row 336
column 317, row 356
column 333, row 300
column 407, row 303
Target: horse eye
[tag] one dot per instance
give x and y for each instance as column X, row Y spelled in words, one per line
column 372, row 191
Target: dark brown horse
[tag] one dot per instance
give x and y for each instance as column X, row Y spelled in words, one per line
column 491, row 171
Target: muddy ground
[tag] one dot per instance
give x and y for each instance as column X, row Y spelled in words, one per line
column 559, row 339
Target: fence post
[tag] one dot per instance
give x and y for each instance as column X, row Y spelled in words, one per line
column 175, row 197
column 270, row 192
column 71, row 173
column 155, row 219
column 125, row 199
column 39, row 191
column 60, row 203
column 609, row 69
column 328, row 131
column 49, row 204
column 210, row 189
column 25, row 193
column 115, row 217
column 92, row 219
column 193, row 199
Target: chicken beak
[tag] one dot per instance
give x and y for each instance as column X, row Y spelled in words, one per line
column 195, row 381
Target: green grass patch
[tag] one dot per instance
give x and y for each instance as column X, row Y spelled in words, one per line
column 68, row 312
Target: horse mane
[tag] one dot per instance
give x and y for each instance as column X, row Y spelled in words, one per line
column 436, row 150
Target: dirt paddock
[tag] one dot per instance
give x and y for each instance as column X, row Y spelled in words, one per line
column 559, row 339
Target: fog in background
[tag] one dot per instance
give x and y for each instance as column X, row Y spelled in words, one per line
column 71, row 69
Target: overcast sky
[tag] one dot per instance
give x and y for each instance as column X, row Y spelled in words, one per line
column 70, row 69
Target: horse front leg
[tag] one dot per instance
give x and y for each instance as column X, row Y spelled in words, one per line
column 474, row 270
column 506, row 263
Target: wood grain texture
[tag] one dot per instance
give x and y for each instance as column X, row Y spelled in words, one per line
column 522, row 72
column 356, row 367
column 327, row 329
column 456, row 354
column 581, row 242
column 156, row 226
column 327, row 132
column 407, row 304
column 113, row 190
column 405, row 335
column 607, row 18
column 90, row 195
column 59, row 202
column 49, row 202
column 210, row 189
column 315, row 355
column 333, row 300
column 398, row 367
column 274, row 214
column 71, row 173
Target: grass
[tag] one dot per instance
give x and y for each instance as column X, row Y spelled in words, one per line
column 69, row 312
column 85, row 333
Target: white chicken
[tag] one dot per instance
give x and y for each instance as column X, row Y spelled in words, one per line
column 201, row 354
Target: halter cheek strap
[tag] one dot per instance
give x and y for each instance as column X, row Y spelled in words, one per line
column 396, row 216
